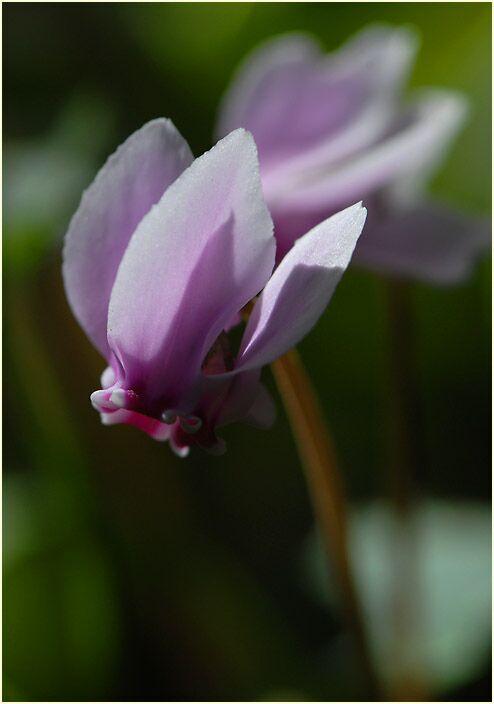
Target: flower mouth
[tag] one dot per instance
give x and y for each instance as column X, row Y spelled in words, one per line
column 115, row 400
column 183, row 430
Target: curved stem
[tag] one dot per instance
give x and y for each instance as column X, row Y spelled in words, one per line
column 326, row 490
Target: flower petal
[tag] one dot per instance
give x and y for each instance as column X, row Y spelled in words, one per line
column 250, row 102
column 194, row 261
column 412, row 152
column 337, row 103
column 430, row 243
column 247, row 401
column 262, row 413
column 366, row 74
column 300, row 288
column 132, row 180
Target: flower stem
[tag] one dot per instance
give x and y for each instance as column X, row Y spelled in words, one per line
column 326, row 490
column 407, row 457
column 407, row 451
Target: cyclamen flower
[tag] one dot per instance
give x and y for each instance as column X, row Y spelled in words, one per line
column 161, row 257
column 332, row 130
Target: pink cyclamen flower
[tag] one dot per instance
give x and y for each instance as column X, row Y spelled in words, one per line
column 159, row 260
column 332, row 130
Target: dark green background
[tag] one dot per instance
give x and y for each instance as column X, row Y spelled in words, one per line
column 130, row 574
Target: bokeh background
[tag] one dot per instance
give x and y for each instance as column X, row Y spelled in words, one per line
column 132, row 575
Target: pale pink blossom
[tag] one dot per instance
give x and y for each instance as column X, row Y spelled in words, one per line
column 334, row 129
column 161, row 257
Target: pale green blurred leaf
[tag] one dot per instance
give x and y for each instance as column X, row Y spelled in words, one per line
column 45, row 177
column 454, row 586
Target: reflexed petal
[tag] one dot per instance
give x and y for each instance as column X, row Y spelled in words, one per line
column 410, row 153
column 386, row 51
column 194, row 261
column 132, row 180
column 371, row 69
column 431, row 243
column 250, row 102
column 336, row 104
column 300, row 288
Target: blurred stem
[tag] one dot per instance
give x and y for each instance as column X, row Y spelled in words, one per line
column 404, row 400
column 326, row 490
column 54, row 444
column 406, row 459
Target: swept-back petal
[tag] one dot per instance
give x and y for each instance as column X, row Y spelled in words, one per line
column 387, row 52
column 410, row 152
column 431, row 243
column 249, row 102
column 337, row 103
column 367, row 75
column 194, row 261
column 133, row 179
column 300, row 288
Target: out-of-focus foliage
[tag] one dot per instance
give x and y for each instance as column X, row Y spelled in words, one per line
column 60, row 624
column 453, row 555
column 45, row 176
column 129, row 574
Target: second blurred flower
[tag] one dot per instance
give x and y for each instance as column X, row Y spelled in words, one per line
column 333, row 129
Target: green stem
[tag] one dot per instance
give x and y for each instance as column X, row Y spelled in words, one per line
column 326, row 490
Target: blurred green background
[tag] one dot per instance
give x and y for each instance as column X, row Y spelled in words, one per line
column 132, row 575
